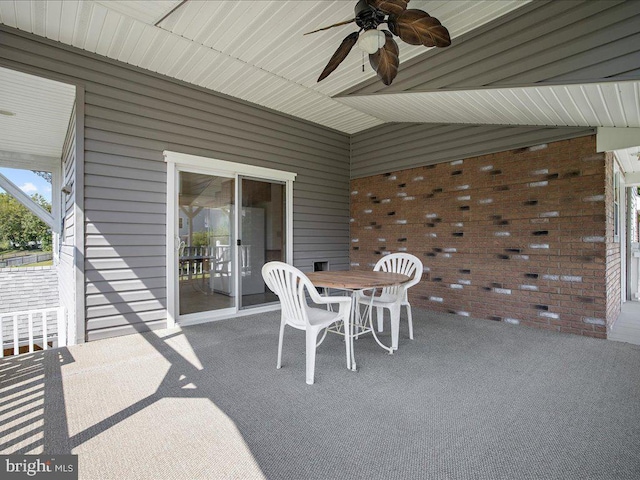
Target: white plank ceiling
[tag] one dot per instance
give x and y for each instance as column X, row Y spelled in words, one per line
column 253, row 50
column 256, row 51
column 34, row 114
column 612, row 104
column 629, row 158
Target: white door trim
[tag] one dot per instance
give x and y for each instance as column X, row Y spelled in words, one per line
column 177, row 162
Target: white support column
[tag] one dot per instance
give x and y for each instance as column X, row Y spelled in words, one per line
column 172, row 244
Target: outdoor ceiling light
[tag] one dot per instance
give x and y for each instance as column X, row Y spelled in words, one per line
column 371, row 41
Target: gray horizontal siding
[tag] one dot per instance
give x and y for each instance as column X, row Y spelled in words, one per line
column 131, row 117
column 128, row 195
column 67, row 252
column 98, row 240
column 121, row 263
column 162, row 131
column 117, row 228
column 180, row 115
column 402, row 146
column 124, row 297
column 303, row 226
column 325, row 233
column 106, row 330
column 120, row 311
column 544, row 41
column 102, row 326
column 97, row 288
column 122, row 275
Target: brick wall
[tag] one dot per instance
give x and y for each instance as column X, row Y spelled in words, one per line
column 613, row 266
column 517, row 236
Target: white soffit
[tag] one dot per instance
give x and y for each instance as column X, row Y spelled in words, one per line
column 42, row 109
column 608, row 139
column 613, row 104
column 252, row 50
column 629, row 158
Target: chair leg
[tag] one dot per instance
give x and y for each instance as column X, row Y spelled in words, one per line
column 395, row 325
column 380, row 316
column 410, row 320
column 346, row 327
column 280, row 339
column 311, row 336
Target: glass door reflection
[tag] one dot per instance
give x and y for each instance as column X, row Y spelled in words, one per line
column 263, row 239
column 205, row 253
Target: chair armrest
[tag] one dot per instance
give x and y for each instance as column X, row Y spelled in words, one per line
column 366, row 293
column 328, row 300
column 344, row 310
column 320, row 300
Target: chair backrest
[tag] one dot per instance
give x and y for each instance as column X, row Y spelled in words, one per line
column 404, row 263
column 289, row 284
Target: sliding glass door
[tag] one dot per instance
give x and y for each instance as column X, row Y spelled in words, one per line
column 206, row 248
column 262, row 236
column 226, row 228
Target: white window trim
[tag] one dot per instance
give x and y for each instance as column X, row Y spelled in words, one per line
column 230, row 168
column 617, row 200
column 176, row 162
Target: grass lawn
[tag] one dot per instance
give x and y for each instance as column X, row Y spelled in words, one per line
column 46, row 263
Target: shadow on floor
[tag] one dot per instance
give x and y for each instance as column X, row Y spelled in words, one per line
column 465, row 399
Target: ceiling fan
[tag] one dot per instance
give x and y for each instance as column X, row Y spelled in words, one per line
column 413, row 26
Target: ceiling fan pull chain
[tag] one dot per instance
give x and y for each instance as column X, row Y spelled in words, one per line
column 363, row 62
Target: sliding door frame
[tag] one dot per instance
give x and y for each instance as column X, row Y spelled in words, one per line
column 177, row 162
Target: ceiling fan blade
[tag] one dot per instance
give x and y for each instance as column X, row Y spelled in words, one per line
column 339, row 55
column 390, row 7
column 419, row 28
column 331, row 26
column 386, row 60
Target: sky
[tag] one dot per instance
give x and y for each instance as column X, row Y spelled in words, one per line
column 28, row 182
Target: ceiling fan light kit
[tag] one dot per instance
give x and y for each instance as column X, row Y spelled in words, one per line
column 371, row 41
column 413, row 26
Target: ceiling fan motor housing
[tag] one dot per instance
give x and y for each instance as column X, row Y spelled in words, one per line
column 368, row 17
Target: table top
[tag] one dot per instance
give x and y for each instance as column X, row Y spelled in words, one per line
column 356, row 280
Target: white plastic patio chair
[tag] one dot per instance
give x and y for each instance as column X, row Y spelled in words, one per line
column 291, row 287
column 394, row 298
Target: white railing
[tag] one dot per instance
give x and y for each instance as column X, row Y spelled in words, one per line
column 31, row 328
